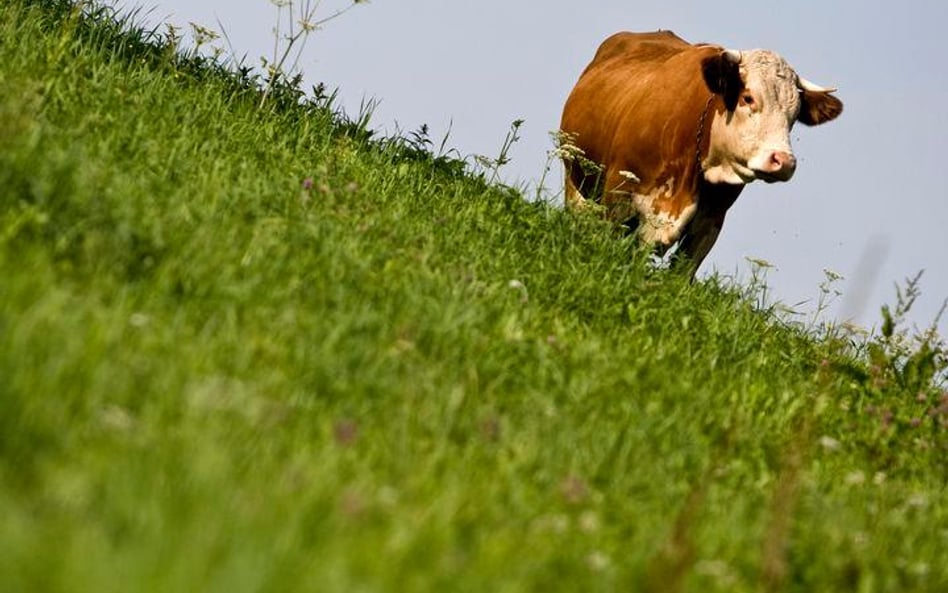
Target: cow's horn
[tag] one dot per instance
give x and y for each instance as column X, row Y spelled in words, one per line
column 734, row 56
column 814, row 88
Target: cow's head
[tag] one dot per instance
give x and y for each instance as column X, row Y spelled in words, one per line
column 763, row 98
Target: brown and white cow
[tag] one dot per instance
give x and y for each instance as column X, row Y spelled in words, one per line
column 678, row 130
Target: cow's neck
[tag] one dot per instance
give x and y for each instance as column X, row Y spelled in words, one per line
column 702, row 142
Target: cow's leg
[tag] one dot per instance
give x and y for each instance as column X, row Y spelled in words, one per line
column 619, row 201
column 573, row 197
column 699, row 238
column 702, row 232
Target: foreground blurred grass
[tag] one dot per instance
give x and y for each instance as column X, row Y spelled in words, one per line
column 249, row 349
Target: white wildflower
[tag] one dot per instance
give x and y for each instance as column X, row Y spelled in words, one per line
column 855, row 478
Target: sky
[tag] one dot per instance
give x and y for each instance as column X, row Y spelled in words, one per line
column 869, row 198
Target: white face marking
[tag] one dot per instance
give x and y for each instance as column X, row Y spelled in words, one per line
column 744, row 141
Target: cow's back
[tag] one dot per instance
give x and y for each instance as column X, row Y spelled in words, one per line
column 638, row 48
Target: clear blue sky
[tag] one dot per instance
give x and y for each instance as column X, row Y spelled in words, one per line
column 869, row 198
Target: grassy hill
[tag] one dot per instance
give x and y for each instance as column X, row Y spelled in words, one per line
column 253, row 349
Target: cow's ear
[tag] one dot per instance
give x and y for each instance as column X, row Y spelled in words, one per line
column 722, row 74
column 818, row 107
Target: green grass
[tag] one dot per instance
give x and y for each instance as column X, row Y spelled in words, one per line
column 400, row 379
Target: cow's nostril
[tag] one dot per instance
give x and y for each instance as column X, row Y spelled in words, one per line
column 782, row 161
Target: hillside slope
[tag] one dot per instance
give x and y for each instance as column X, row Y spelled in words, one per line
column 250, row 349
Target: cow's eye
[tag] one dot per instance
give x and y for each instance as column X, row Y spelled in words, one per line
column 747, row 99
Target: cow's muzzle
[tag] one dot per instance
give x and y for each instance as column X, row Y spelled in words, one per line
column 778, row 165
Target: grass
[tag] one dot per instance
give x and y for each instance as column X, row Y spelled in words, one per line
column 255, row 349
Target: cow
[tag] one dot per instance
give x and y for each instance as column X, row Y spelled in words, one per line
column 675, row 130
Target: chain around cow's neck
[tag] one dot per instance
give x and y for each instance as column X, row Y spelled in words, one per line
column 704, row 117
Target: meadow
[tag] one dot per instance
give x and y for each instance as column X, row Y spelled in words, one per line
column 250, row 345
